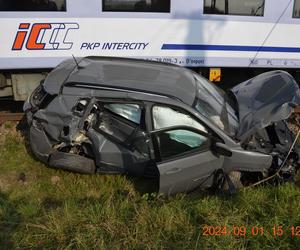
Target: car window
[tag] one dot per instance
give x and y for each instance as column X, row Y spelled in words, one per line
column 176, row 142
column 164, row 117
column 112, row 125
column 131, row 112
column 212, row 102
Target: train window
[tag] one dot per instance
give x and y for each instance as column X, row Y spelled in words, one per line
column 234, row 7
column 32, row 5
column 136, row 5
column 296, row 11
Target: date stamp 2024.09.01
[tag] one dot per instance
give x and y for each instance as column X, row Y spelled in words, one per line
column 251, row 231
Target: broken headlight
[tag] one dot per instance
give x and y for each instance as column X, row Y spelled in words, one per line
column 40, row 98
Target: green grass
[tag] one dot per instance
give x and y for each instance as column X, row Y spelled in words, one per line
column 56, row 209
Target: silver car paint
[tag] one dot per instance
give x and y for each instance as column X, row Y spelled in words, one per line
column 188, row 172
column 179, row 175
column 265, row 99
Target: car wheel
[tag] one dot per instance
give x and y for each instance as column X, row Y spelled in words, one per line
column 72, row 162
column 235, row 178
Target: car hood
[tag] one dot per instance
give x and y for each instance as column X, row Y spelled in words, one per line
column 264, row 99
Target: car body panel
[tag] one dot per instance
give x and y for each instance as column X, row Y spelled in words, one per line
column 242, row 160
column 72, row 117
column 264, row 99
column 188, row 173
column 125, row 74
column 43, row 149
column 58, row 76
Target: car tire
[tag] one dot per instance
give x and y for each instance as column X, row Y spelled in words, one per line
column 72, row 162
column 235, row 177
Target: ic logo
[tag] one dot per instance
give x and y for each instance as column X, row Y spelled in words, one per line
column 44, row 36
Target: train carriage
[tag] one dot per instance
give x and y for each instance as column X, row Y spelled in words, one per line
column 36, row 35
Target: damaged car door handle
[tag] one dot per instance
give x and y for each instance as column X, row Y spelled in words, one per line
column 174, row 171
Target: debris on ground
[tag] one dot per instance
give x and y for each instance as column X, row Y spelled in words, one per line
column 55, row 180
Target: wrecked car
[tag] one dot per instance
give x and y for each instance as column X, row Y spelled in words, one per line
column 113, row 115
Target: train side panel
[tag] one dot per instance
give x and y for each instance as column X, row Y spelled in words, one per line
column 192, row 43
column 34, row 42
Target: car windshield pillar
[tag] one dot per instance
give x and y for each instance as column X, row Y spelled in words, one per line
column 212, row 103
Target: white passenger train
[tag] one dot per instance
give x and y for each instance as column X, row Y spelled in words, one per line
column 36, row 35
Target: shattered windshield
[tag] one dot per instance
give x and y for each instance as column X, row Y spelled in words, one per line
column 212, row 103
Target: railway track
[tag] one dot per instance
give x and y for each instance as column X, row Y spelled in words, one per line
column 7, row 116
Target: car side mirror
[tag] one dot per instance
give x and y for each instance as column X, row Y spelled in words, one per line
column 221, row 149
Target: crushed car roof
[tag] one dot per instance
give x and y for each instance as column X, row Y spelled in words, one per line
column 129, row 74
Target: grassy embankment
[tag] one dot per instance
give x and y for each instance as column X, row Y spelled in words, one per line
column 46, row 208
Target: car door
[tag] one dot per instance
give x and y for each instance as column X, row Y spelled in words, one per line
column 116, row 129
column 182, row 151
